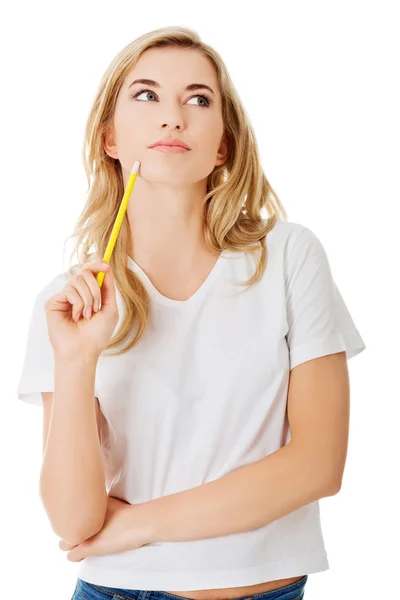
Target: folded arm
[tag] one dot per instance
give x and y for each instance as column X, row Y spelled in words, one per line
column 309, row 467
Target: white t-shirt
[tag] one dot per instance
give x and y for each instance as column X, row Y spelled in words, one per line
column 204, row 393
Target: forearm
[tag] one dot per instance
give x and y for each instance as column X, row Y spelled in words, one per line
column 72, row 479
column 245, row 499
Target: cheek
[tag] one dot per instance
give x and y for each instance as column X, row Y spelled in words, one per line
column 210, row 135
column 127, row 121
column 131, row 133
column 131, row 141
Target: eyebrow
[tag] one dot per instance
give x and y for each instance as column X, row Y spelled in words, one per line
column 189, row 88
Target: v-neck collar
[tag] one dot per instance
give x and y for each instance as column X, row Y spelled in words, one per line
column 194, row 298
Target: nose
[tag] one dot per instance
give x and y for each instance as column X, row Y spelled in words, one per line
column 175, row 120
column 166, row 126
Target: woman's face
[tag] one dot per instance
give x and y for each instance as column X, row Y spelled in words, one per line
column 167, row 109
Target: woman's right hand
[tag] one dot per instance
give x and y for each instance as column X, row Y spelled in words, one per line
column 71, row 334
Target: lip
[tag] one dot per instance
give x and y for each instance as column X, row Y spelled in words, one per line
column 170, row 149
column 175, row 143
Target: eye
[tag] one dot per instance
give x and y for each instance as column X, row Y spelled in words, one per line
column 205, row 98
column 142, row 92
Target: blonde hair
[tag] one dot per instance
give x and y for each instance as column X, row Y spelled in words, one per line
column 237, row 191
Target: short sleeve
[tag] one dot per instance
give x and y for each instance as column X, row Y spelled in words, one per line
column 37, row 373
column 319, row 322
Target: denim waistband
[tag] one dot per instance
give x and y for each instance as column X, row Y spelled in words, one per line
column 90, row 591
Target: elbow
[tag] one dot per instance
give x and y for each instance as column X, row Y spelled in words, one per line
column 77, row 535
column 88, row 527
column 332, row 486
column 72, row 527
column 91, row 527
column 324, row 479
column 85, row 533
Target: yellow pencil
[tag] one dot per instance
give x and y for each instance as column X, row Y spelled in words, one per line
column 118, row 220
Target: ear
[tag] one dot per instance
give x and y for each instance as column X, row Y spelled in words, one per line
column 222, row 151
column 109, row 143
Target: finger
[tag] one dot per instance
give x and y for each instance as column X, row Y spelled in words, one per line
column 68, row 299
column 107, row 290
column 96, row 265
column 79, row 283
column 108, row 295
column 91, row 291
column 94, row 289
column 76, row 301
column 77, row 292
column 64, row 545
column 74, row 556
column 79, row 552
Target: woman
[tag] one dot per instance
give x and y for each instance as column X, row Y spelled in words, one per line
column 198, row 395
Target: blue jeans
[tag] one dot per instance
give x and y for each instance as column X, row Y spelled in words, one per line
column 89, row 591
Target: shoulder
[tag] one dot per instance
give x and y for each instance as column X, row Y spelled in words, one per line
column 296, row 248
column 287, row 233
column 286, row 228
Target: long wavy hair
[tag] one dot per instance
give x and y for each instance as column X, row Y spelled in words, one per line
column 237, row 191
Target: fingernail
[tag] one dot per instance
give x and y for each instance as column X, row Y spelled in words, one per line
column 96, row 305
column 88, row 312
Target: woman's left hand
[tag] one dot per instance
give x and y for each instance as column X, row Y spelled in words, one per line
column 117, row 534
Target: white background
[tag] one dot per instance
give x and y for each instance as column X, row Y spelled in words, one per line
column 320, row 82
